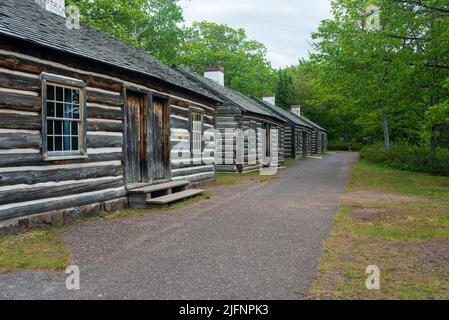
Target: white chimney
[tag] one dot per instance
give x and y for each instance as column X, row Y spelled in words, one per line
column 215, row 73
column 270, row 98
column 55, row 6
column 296, row 110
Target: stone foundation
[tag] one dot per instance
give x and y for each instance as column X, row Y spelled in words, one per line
column 59, row 218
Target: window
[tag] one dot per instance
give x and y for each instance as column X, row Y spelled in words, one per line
column 267, row 128
column 197, row 134
column 63, row 118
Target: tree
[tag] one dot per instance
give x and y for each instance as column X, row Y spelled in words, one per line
column 397, row 71
column 284, row 89
column 246, row 66
column 148, row 24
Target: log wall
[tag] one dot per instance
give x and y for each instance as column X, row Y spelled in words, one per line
column 28, row 183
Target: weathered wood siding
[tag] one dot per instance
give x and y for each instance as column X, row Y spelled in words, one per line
column 230, row 118
column 28, row 183
column 180, row 138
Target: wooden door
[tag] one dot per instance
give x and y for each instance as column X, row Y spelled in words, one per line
column 161, row 138
column 137, row 151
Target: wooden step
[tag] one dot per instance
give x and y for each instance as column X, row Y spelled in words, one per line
column 159, row 187
column 175, row 197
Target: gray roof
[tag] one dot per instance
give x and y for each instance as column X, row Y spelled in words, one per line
column 291, row 117
column 228, row 95
column 27, row 21
column 313, row 124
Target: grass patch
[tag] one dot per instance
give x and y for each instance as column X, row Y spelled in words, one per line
column 34, row 250
column 394, row 219
column 371, row 176
column 224, row 179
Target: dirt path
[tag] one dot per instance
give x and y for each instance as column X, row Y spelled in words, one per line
column 250, row 241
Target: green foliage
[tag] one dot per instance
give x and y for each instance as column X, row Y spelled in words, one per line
column 148, row 24
column 284, row 89
column 409, row 157
column 356, row 75
column 245, row 62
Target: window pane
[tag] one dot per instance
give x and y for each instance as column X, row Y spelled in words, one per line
column 59, row 110
column 63, row 103
column 74, row 128
column 75, row 143
column 50, row 146
column 67, row 143
column 66, row 128
column 76, row 96
column 58, row 127
column 50, row 93
column 58, row 143
column 68, row 95
column 68, row 111
column 49, row 127
column 76, row 112
column 50, row 109
column 59, row 94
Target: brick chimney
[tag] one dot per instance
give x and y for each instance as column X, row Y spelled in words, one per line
column 215, row 73
column 296, row 110
column 270, row 98
column 55, row 6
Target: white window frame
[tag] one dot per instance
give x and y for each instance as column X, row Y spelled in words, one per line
column 197, row 134
column 65, row 83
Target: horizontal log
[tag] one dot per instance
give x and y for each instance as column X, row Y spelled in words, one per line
column 57, row 173
column 192, row 170
column 104, row 141
column 39, row 206
column 197, row 177
column 179, row 123
column 104, row 125
column 19, row 82
column 99, row 112
column 36, row 159
column 104, row 98
column 18, row 101
column 21, row 193
column 12, row 120
column 13, row 140
column 180, row 112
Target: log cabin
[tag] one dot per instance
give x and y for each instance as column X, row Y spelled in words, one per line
column 88, row 121
column 240, row 121
column 297, row 132
column 319, row 138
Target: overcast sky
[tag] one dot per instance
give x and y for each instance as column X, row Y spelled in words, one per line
column 284, row 26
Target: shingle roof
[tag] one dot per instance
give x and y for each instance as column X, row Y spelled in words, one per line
column 284, row 113
column 313, row 124
column 236, row 98
column 26, row 20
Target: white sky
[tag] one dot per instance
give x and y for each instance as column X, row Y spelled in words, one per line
column 284, row 26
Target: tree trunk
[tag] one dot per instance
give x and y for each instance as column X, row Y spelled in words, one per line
column 386, row 134
column 433, row 141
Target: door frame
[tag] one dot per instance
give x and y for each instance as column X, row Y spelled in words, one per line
column 166, row 106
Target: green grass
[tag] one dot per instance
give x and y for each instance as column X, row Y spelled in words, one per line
column 367, row 175
column 34, row 250
column 226, row 179
column 408, row 240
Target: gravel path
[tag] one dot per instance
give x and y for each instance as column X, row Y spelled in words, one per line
column 251, row 241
